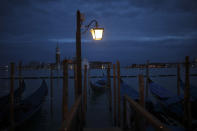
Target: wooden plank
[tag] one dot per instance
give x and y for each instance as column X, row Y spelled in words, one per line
column 102, row 129
column 149, row 117
column 66, row 124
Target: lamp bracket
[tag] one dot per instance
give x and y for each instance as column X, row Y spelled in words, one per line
column 89, row 25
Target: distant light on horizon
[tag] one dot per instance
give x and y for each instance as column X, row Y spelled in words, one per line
column 66, row 40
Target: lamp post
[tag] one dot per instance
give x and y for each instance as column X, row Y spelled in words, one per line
column 96, row 34
column 78, row 54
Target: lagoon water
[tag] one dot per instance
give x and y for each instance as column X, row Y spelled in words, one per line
column 49, row 117
column 126, row 51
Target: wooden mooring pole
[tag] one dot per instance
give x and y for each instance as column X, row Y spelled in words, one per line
column 12, row 66
column 139, row 118
column 88, row 81
column 147, row 78
column 187, row 104
column 124, row 113
column 178, row 79
column 78, row 53
column 85, row 94
column 141, row 90
column 51, row 91
column 75, row 81
column 109, row 86
column 114, row 80
column 118, row 78
column 20, row 74
column 65, row 90
column 20, row 80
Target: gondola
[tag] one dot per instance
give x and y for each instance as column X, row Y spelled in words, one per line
column 99, row 86
column 5, row 100
column 193, row 90
column 171, row 104
column 126, row 89
column 193, row 97
column 150, row 107
column 28, row 107
column 166, row 99
column 153, row 109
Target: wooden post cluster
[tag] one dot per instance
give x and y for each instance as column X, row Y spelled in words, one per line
column 109, row 86
column 147, row 78
column 118, row 78
column 65, row 90
column 178, row 79
column 12, row 66
column 187, row 106
column 114, row 80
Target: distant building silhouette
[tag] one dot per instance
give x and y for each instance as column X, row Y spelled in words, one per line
column 57, row 55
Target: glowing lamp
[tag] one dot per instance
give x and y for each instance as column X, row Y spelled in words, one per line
column 97, row 33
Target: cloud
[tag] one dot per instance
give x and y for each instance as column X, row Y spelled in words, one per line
column 156, row 5
column 45, row 19
column 35, row 19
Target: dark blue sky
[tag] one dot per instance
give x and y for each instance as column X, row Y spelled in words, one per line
column 135, row 30
column 142, row 20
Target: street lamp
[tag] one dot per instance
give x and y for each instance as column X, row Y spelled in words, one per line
column 97, row 34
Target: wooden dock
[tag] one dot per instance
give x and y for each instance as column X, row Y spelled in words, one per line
column 100, row 118
column 102, row 129
column 102, row 114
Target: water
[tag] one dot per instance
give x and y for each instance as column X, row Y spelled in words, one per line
column 127, row 52
column 49, row 117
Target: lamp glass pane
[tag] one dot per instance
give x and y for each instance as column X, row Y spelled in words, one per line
column 93, row 33
column 98, row 34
